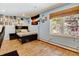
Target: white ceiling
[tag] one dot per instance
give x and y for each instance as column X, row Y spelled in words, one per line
column 25, row 9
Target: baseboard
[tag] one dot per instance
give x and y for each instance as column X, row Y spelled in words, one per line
column 62, row 46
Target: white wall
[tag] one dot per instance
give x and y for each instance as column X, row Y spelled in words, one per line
column 11, row 29
column 25, row 22
column 33, row 28
column 8, row 30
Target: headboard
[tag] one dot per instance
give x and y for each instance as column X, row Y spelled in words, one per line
column 21, row 27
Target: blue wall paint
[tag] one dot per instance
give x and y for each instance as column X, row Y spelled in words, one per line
column 45, row 28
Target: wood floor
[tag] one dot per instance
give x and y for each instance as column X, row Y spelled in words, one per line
column 34, row 48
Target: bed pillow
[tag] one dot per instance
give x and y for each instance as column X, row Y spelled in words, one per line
column 24, row 30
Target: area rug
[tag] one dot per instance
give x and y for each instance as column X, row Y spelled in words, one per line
column 13, row 53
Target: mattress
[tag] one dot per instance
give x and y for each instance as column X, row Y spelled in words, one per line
column 21, row 34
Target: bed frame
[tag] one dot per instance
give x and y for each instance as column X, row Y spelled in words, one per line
column 26, row 38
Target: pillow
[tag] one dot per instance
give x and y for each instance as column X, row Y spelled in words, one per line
column 18, row 30
column 24, row 30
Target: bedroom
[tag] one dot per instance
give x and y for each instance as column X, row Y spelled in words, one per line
column 27, row 28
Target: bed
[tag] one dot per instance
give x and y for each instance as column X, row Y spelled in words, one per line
column 25, row 35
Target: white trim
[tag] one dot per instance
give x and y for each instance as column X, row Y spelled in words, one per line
column 66, row 47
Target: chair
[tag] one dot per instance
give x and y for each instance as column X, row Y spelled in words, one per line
column 2, row 33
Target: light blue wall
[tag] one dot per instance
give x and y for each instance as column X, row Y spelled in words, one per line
column 44, row 28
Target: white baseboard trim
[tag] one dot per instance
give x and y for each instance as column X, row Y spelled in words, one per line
column 63, row 46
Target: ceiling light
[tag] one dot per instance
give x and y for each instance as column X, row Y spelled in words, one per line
column 2, row 10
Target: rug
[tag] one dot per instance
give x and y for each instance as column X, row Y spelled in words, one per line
column 13, row 53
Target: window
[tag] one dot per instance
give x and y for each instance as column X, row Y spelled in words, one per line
column 56, row 25
column 67, row 25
